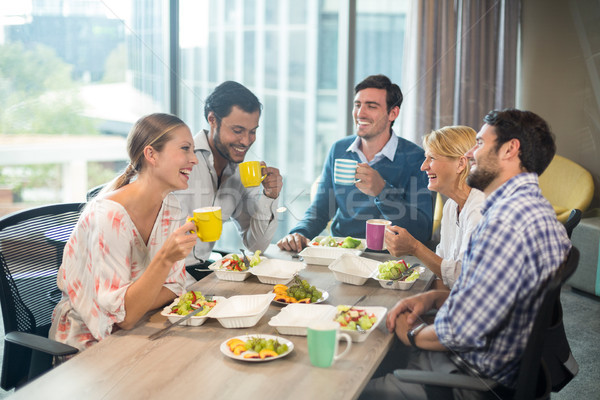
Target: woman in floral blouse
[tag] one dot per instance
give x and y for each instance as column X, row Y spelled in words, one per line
column 125, row 256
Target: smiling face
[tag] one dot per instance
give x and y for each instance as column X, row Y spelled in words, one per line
column 175, row 161
column 234, row 135
column 371, row 118
column 484, row 159
column 443, row 172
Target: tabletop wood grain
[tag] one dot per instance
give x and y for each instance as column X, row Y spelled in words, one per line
column 187, row 361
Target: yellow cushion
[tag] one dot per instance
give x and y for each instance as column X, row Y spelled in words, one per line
column 567, row 186
column 437, row 212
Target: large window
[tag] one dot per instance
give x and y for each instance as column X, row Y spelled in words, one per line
column 75, row 74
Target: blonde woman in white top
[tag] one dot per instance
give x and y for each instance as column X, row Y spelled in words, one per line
column 447, row 169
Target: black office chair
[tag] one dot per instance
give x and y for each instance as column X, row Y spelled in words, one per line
column 573, row 221
column 31, row 247
column 93, row 192
column 534, row 380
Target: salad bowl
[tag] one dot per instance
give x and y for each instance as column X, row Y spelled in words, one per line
column 221, row 271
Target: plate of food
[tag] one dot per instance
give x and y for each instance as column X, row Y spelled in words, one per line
column 256, row 347
column 397, row 274
column 188, row 302
column 300, row 291
column 338, row 242
column 233, row 268
column 367, row 318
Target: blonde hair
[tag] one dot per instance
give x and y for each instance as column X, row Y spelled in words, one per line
column 150, row 130
column 452, row 142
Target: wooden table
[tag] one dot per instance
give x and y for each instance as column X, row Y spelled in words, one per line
column 187, row 362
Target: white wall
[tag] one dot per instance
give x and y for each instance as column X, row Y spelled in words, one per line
column 560, row 80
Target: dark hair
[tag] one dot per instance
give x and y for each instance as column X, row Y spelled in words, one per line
column 537, row 147
column 227, row 95
column 394, row 94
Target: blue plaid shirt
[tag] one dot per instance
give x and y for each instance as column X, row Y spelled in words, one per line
column 515, row 249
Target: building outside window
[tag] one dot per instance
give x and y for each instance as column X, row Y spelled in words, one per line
column 76, row 74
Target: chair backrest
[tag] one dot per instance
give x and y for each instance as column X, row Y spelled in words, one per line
column 531, row 362
column 566, row 185
column 573, row 221
column 31, row 247
column 438, row 208
column 93, row 192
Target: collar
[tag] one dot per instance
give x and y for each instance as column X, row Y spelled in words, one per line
column 388, row 151
column 201, row 145
column 510, row 187
column 201, row 141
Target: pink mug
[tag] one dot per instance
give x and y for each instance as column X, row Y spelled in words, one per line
column 375, row 233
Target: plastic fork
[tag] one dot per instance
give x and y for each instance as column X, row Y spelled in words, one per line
column 246, row 260
column 405, row 274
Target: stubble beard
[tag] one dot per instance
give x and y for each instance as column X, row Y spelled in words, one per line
column 481, row 178
column 221, row 148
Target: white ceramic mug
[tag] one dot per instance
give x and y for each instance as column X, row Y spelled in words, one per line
column 344, row 171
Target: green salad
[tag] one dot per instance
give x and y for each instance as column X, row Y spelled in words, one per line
column 329, row 241
column 191, row 301
column 393, row 269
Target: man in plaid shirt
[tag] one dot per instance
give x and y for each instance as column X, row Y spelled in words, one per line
column 518, row 245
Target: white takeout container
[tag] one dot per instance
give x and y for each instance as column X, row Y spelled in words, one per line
column 398, row 285
column 352, row 269
column 242, row 311
column 227, row 275
column 361, row 246
column 275, row 272
column 325, row 255
column 294, row 318
column 379, row 314
column 194, row 320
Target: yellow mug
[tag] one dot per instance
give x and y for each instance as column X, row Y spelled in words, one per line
column 251, row 173
column 208, row 223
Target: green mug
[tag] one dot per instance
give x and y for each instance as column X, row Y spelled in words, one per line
column 323, row 338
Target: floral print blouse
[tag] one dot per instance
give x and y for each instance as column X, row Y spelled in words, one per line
column 104, row 255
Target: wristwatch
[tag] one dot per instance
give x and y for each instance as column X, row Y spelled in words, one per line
column 412, row 334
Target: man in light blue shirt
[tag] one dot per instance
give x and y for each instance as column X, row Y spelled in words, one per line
column 389, row 183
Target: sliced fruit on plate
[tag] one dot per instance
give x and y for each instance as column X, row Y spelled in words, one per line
column 233, row 342
column 264, row 353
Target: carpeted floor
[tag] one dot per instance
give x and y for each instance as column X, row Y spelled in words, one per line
column 582, row 321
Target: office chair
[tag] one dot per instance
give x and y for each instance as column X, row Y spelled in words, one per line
column 566, row 185
column 534, row 380
column 572, row 221
column 93, row 192
column 438, row 208
column 31, row 247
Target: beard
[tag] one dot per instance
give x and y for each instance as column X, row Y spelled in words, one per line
column 221, row 148
column 481, row 178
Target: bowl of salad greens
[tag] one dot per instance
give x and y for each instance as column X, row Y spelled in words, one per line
column 340, row 242
column 233, row 268
column 188, row 302
column 396, row 272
